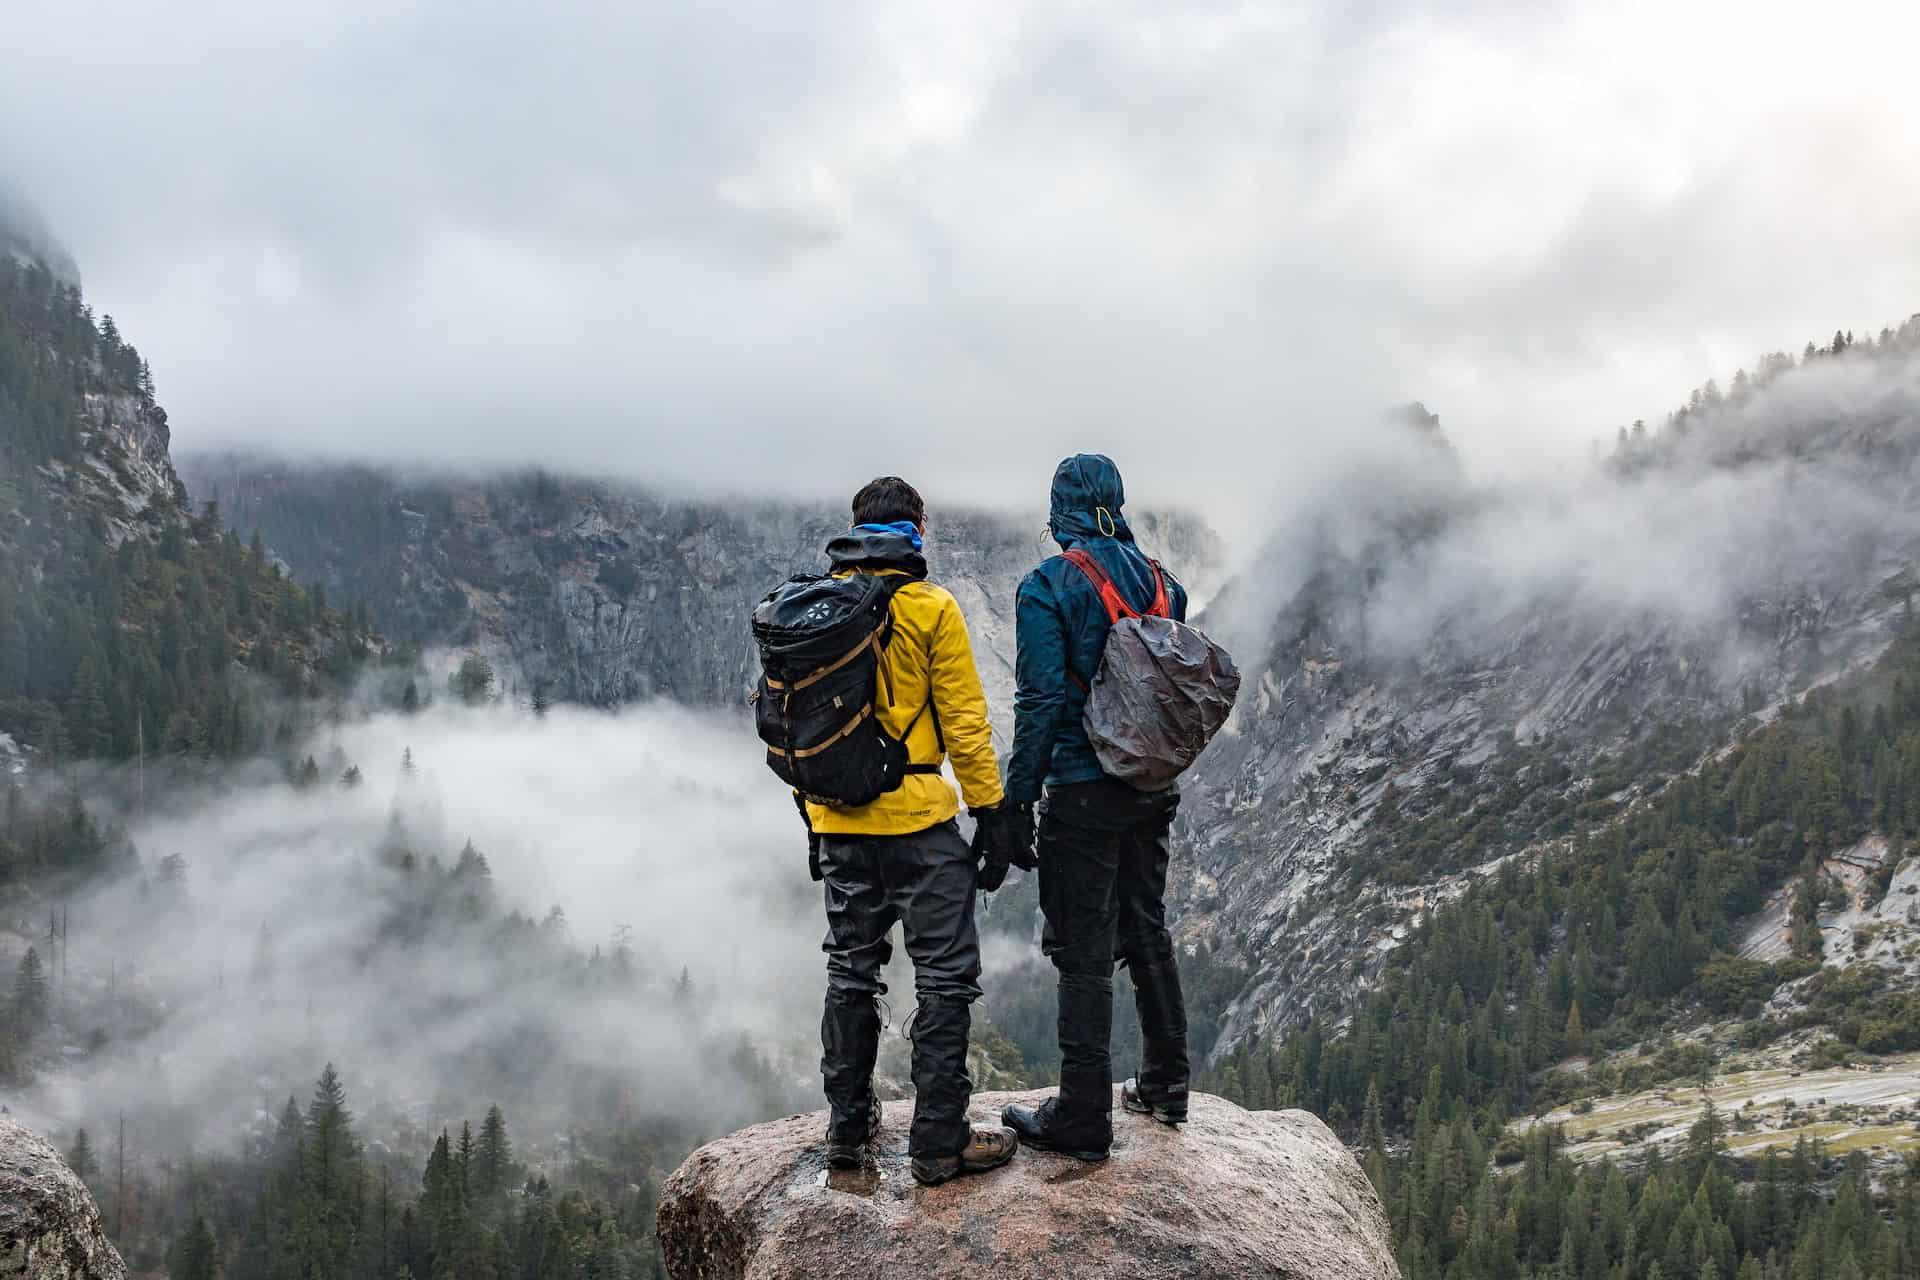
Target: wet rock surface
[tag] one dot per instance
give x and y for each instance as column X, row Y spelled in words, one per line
column 1231, row 1194
column 49, row 1225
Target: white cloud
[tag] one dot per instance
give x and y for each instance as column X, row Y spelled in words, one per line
column 742, row 243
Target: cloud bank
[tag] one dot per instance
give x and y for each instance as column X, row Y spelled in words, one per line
column 299, row 926
column 735, row 245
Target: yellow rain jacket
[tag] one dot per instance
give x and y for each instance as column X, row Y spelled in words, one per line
column 929, row 655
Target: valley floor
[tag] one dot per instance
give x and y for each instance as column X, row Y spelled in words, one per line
column 1766, row 1104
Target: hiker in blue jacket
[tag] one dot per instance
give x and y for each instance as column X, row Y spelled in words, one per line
column 1103, row 844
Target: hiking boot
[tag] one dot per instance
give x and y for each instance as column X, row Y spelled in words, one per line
column 988, row 1149
column 851, row 1155
column 1166, row 1108
column 1042, row 1129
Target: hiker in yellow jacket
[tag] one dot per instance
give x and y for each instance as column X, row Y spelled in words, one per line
column 902, row 858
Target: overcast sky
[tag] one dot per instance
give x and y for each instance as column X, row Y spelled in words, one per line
column 779, row 245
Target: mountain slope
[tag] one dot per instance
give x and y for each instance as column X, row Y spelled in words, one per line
column 124, row 619
column 599, row 593
column 1467, row 674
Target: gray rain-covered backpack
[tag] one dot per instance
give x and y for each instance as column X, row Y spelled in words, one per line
column 1162, row 689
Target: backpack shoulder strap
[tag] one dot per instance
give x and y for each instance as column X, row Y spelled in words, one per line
column 1110, row 598
column 1161, row 607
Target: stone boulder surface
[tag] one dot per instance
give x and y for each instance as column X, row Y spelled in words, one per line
column 49, row 1225
column 1231, row 1194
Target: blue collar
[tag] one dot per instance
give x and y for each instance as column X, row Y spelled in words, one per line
column 903, row 527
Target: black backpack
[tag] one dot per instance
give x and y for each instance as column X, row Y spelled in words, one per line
column 821, row 640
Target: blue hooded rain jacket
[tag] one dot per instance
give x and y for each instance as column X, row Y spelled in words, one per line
column 1062, row 627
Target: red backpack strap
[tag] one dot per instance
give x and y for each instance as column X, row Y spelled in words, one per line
column 1116, row 604
column 1161, row 606
column 1110, row 598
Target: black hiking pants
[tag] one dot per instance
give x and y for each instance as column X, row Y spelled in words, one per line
column 1103, row 883
column 926, row 882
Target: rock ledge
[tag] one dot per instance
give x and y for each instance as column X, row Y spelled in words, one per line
column 49, row 1226
column 1233, row 1194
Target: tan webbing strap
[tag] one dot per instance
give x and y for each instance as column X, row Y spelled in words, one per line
column 871, row 642
column 814, row 750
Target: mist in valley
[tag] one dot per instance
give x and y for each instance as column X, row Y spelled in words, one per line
column 592, row 919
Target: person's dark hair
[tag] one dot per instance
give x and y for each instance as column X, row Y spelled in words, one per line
column 886, row 500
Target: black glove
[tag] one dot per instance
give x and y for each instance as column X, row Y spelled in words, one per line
column 998, row 841
column 813, row 839
column 988, row 847
column 1020, row 850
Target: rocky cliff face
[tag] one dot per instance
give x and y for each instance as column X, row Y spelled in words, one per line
column 1462, row 676
column 49, row 1225
column 1232, row 1194
column 604, row 594
column 124, row 475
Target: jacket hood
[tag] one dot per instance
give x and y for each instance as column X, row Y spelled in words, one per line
column 1086, row 502
column 869, row 547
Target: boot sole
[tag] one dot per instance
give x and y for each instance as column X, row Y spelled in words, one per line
column 936, row 1177
column 1165, row 1115
column 1040, row 1144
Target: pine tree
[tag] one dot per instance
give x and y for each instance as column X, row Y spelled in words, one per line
column 80, row 1157
column 30, row 1000
column 495, row 1157
column 473, row 682
column 331, row 1186
column 195, row 1255
column 471, row 864
column 436, row 1183
column 1372, row 1128
column 1803, row 929
column 447, row 1211
column 89, row 724
column 463, row 1162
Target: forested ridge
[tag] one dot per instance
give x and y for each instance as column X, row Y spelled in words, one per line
column 1695, row 420
column 124, row 618
column 1597, row 946
column 310, row 1199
